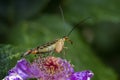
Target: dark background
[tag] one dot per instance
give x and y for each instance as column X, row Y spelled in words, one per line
column 25, row 24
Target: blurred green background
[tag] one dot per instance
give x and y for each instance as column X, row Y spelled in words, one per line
column 25, row 24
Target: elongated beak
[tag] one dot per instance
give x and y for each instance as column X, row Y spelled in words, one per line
column 70, row 41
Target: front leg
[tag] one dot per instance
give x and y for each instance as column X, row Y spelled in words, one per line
column 65, row 47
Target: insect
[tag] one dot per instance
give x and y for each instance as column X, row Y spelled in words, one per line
column 54, row 46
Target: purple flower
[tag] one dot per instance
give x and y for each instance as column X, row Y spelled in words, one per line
column 13, row 76
column 53, row 68
column 22, row 71
column 49, row 68
column 84, row 75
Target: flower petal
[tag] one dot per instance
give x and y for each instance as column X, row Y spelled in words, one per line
column 23, row 69
column 13, row 76
column 84, row 75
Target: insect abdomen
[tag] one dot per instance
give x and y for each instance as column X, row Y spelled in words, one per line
column 47, row 49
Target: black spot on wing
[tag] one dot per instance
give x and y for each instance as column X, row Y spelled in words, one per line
column 47, row 44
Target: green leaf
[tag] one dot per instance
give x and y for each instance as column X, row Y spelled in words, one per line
column 99, row 10
column 8, row 58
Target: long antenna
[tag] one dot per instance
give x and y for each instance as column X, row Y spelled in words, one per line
column 77, row 25
column 63, row 18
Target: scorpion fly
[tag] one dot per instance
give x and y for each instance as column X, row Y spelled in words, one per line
column 54, row 46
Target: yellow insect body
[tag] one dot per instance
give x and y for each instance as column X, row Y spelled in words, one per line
column 55, row 46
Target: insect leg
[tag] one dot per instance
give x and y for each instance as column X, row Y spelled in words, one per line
column 63, row 51
column 51, row 52
column 65, row 47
